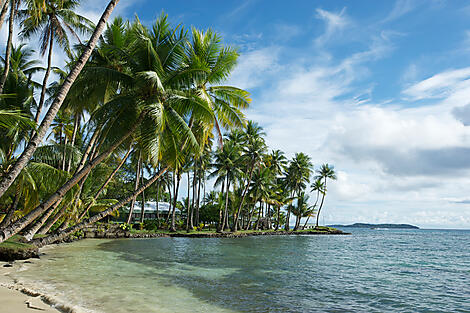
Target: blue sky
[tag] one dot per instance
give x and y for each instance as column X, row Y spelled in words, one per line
column 378, row 88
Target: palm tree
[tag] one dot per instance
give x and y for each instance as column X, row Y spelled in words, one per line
column 226, row 170
column 6, row 68
column 319, row 187
column 52, row 20
column 325, row 172
column 254, row 147
column 297, row 176
column 32, row 145
column 302, row 209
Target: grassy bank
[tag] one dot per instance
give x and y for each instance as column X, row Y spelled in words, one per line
column 14, row 249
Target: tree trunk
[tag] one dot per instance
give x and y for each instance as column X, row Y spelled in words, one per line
column 156, row 201
column 278, row 217
column 142, row 212
column 170, row 202
column 175, row 201
column 247, row 185
column 136, row 186
column 34, row 229
column 7, row 219
column 40, row 242
column 24, row 221
column 313, row 208
column 46, row 77
column 227, row 191
column 321, row 205
column 260, row 210
column 6, row 68
column 287, row 227
column 3, row 13
column 76, row 125
column 32, row 145
column 98, row 193
column 198, row 200
column 188, row 206
column 45, row 228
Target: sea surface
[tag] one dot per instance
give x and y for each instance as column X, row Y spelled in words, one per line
column 368, row 271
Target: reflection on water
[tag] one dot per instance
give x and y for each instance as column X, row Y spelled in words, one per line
column 370, row 271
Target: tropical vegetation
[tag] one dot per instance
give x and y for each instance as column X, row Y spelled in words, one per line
column 138, row 113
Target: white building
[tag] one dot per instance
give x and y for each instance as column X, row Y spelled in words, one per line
column 150, row 211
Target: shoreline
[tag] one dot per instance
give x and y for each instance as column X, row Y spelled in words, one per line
column 18, row 298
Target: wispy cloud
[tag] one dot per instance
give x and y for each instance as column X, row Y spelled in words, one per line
column 334, row 23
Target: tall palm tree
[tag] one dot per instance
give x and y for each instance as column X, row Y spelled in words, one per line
column 325, row 172
column 6, row 68
column 52, row 21
column 32, row 145
column 254, row 147
column 297, row 176
column 319, row 187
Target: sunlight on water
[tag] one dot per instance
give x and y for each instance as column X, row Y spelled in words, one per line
column 370, row 271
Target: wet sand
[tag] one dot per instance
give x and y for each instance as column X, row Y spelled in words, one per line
column 13, row 300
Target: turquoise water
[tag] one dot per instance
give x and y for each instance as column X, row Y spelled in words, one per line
column 369, row 271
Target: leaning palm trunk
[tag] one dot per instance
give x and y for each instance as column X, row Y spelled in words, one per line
column 243, row 197
column 6, row 68
column 34, row 229
column 40, row 242
column 11, row 175
column 98, row 193
column 46, row 77
column 6, row 220
column 14, row 228
column 313, row 208
column 45, row 228
column 76, row 125
column 321, row 205
column 3, row 13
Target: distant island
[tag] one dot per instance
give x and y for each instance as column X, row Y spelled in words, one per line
column 366, row 225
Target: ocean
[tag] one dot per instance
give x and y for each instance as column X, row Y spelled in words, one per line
column 368, row 271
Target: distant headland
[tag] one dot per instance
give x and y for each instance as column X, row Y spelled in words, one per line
column 366, row 225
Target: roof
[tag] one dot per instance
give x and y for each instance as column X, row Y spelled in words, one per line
column 151, row 206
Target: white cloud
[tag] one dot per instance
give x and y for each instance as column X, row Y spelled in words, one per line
column 440, row 85
column 334, row 22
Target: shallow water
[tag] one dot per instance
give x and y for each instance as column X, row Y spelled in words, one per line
column 369, row 271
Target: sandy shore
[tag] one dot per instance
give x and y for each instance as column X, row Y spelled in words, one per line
column 14, row 300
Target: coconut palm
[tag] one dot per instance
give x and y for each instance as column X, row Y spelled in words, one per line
column 52, row 21
column 319, row 187
column 325, row 172
column 32, row 145
column 297, row 176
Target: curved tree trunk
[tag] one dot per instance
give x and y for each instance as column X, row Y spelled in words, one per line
column 14, row 228
column 76, row 125
column 34, row 229
column 6, row 67
column 98, row 193
column 3, row 13
column 219, row 225
column 46, row 77
column 7, row 219
column 32, row 145
column 247, row 185
column 142, row 212
column 321, row 205
column 40, row 242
